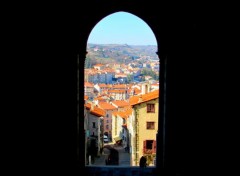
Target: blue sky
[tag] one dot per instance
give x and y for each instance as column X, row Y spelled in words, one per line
column 122, row 28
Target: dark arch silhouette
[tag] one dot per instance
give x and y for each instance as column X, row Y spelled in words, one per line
column 45, row 129
column 103, row 18
column 161, row 52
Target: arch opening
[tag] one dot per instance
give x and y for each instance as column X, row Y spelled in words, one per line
column 121, row 91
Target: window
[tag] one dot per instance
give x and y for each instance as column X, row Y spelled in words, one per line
column 94, row 125
column 107, row 115
column 150, row 108
column 150, row 125
column 107, row 127
column 149, row 146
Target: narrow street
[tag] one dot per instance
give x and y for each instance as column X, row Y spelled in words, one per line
column 124, row 157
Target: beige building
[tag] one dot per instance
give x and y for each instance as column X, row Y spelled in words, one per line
column 144, row 122
column 107, row 123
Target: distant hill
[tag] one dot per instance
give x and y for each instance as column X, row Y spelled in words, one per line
column 117, row 53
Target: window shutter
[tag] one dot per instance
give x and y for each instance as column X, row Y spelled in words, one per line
column 154, row 146
column 144, row 146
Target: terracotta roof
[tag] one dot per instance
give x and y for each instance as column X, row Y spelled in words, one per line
column 88, row 84
column 106, row 106
column 88, row 106
column 102, row 85
column 104, row 92
column 85, row 97
column 99, row 98
column 143, row 98
column 150, row 95
column 115, row 113
column 133, row 100
column 98, row 65
column 109, row 70
column 125, row 114
column 97, row 111
column 116, row 91
column 120, row 103
column 137, row 91
column 117, row 75
column 119, row 86
column 129, row 111
column 122, row 114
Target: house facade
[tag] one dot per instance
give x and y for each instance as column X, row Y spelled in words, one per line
column 144, row 129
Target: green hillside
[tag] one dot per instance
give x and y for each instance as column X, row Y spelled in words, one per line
column 116, row 53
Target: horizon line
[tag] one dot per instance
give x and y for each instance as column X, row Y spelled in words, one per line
column 121, row 44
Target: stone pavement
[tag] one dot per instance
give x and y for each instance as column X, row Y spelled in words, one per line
column 124, row 157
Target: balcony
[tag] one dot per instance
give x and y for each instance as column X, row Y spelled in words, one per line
column 149, row 151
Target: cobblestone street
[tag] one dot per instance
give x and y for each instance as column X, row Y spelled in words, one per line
column 124, row 157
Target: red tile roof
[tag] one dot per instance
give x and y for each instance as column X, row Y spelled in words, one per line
column 116, row 91
column 136, row 91
column 144, row 98
column 150, row 95
column 97, row 111
column 115, row 113
column 120, row 103
column 88, row 84
column 99, row 98
column 124, row 114
column 128, row 111
column 133, row 100
column 88, row 106
column 102, row 85
column 119, row 86
column 106, row 106
column 97, row 65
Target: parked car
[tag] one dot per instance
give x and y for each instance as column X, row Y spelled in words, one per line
column 105, row 139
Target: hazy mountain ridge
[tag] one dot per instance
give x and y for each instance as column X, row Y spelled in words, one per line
column 119, row 53
column 125, row 50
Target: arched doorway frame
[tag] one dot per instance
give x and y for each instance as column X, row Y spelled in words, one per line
column 162, row 54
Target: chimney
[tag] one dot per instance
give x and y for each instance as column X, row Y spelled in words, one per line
column 145, row 88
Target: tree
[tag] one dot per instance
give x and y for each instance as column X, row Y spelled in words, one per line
column 87, row 62
column 149, row 72
column 129, row 78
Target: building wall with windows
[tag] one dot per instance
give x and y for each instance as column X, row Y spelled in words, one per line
column 145, row 126
column 108, row 77
column 108, row 123
column 146, row 130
